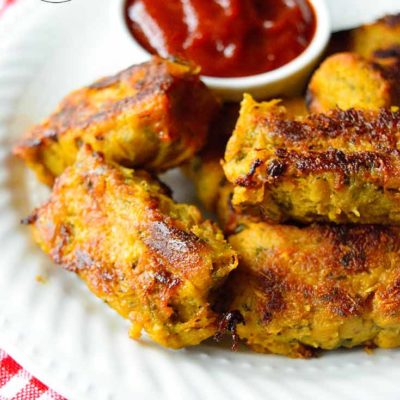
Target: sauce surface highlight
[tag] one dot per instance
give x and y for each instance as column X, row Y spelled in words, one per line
column 227, row 38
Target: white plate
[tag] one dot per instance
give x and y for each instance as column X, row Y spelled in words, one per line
column 346, row 14
column 60, row 332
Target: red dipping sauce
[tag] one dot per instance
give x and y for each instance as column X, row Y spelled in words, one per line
column 227, row 38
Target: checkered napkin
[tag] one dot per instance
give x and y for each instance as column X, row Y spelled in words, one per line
column 18, row 384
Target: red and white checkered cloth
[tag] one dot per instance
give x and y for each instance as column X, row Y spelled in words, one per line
column 18, row 384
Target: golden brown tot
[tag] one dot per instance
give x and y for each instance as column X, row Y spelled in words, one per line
column 346, row 80
column 155, row 262
column 154, row 116
column 343, row 166
column 300, row 289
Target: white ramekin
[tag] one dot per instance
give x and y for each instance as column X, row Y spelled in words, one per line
column 287, row 80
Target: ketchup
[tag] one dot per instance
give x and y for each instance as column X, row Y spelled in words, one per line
column 227, row 38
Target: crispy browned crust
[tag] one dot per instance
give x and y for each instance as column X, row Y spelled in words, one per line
column 273, row 157
column 300, row 289
column 154, row 261
column 295, row 141
column 154, row 115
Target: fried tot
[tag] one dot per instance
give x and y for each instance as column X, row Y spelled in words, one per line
column 346, row 80
column 157, row 263
column 300, row 289
column 153, row 116
column 317, row 287
column 343, row 166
